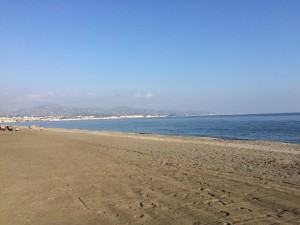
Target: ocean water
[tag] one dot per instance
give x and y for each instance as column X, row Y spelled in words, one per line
column 265, row 127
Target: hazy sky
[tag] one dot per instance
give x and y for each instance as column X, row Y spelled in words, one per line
column 220, row 56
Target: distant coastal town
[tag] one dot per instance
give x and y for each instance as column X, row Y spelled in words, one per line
column 13, row 119
column 53, row 112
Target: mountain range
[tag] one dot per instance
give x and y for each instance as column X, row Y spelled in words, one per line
column 58, row 110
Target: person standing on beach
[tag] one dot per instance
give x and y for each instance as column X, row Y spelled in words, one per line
column 42, row 128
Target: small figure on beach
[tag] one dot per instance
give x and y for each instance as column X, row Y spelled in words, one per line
column 9, row 128
column 42, row 128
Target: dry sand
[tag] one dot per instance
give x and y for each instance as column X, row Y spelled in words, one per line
column 72, row 177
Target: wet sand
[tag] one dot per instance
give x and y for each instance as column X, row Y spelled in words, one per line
column 74, row 177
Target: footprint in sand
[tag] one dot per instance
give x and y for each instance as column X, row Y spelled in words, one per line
column 225, row 213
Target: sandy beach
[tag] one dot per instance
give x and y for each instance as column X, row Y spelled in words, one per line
column 59, row 176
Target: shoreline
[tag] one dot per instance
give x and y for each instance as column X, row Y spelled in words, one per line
column 273, row 146
column 230, row 129
column 62, row 176
column 14, row 119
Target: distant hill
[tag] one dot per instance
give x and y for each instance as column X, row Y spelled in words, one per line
column 57, row 110
column 43, row 110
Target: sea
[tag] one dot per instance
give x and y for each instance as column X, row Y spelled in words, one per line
column 259, row 127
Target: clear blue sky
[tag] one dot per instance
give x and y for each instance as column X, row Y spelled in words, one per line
column 219, row 56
